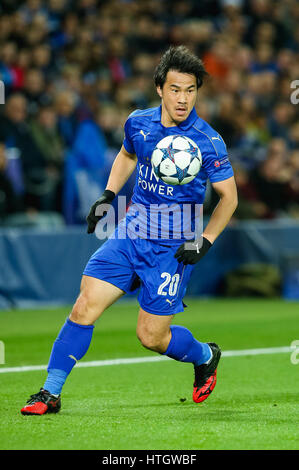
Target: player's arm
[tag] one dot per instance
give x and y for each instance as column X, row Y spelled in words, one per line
column 122, row 168
column 227, row 192
column 192, row 252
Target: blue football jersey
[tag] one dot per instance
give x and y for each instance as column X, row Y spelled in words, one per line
column 151, row 196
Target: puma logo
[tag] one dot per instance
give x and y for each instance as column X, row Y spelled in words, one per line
column 144, row 135
column 169, row 301
column 73, row 357
column 197, row 247
column 216, row 138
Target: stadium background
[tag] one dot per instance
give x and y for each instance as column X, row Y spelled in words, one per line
column 73, row 70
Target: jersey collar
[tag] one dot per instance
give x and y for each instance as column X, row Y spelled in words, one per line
column 156, row 117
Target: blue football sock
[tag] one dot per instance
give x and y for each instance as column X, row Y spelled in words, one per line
column 55, row 381
column 70, row 346
column 185, row 348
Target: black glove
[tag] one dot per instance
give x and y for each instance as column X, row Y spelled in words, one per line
column 192, row 256
column 92, row 219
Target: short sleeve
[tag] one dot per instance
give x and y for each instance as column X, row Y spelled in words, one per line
column 216, row 163
column 128, row 143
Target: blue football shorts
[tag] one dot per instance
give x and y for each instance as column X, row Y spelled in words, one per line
column 132, row 264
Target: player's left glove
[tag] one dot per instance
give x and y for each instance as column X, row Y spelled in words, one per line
column 199, row 248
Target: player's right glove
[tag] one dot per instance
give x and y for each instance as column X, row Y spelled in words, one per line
column 192, row 251
column 92, row 219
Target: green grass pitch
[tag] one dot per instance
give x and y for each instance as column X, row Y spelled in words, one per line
column 138, row 406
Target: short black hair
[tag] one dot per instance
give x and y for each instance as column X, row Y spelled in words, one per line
column 180, row 59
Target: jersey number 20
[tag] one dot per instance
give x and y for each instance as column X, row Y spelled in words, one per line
column 173, row 282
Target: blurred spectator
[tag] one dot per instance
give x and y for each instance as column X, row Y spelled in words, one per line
column 294, row 171
column 271, row 179
column 8, row 73
column 264, row 59
column 86, row 167
column 30, row 9
column 280, row 119
column 55, row 12
column 109, row 122
column 293, row 136
column 90, row 144
column 226, row 120
column 249, row 204
column 46, row 137
column 28, row 160
column 65, row 34
column 218, row 60
column 41, row 59
column 34, row 90
column 9, row 199
column 67, row 122
column 45, row 134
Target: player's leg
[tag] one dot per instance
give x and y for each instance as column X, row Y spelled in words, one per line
column 164, row 283
column 73, row 342
column 95, row 297
column 75, row 336
column 107, row 276
column 155, row 332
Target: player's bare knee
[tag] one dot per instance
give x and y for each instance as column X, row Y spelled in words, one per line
column 150, row 341
column 78, row 315
column 81, row 312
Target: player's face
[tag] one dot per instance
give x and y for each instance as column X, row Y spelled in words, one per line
column 178, row 96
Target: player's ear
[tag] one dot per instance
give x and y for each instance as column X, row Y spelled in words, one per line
column 159, row 91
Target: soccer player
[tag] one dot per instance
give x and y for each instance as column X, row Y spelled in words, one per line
column 161, row 266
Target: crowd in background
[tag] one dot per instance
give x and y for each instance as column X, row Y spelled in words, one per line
column 74, row 69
